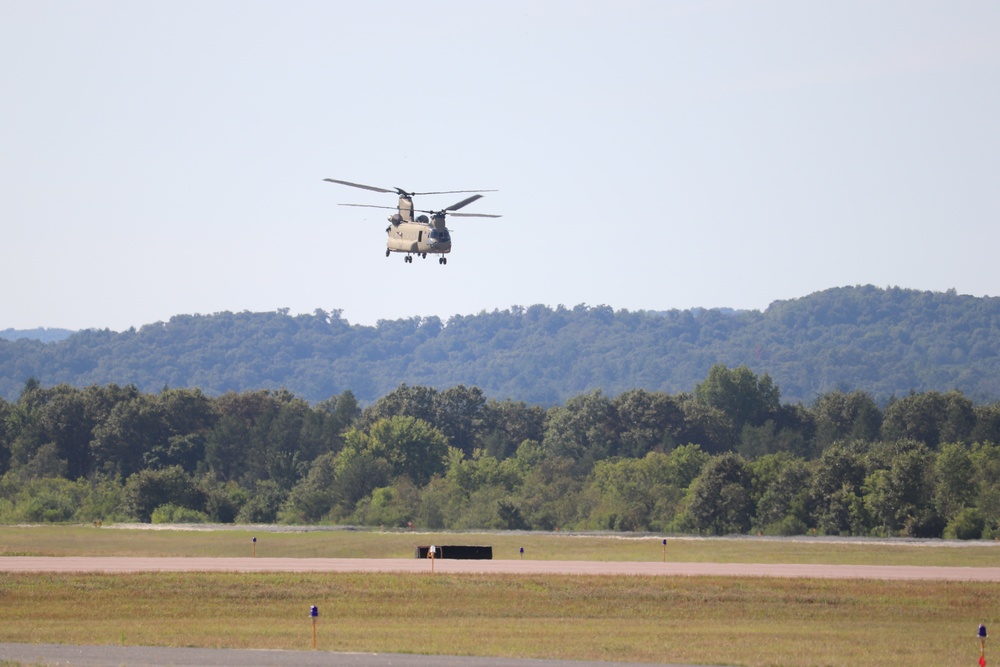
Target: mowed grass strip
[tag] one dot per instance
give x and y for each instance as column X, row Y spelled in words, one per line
column 714, row 620
column 107, row 541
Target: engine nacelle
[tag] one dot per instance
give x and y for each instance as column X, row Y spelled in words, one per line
column 395, row 219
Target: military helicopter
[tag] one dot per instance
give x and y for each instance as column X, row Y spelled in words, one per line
column 421, row 235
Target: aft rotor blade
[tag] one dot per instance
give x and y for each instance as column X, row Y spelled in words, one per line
column 451, row 210
column 358, row 185
column 464, row 202
column 451, row 192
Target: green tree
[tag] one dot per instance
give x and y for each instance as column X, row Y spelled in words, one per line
column 405, row 400
column 549, row 497
column 954, row 485
column 5, row 416
column 342, row 412
column 45, row 462
column 930, row 418
column 227, row 447
column 23, row 430
column 187, row 451
column 315, row 495
column 148, row 489
column 685, row 464
column 412, row 447
column 987, row 428
column 968, row 524
column 63, row 420
column 960, row 418
column 263, row 504
column 281, row 446
column 388, row 505
column 186, row 411
column 358, row 473
column 266, row 435
column 506, row 424
column 647, row 421
column 899, row 498
column 133, row 427
column 720, row 499
column 222, row 500
column 633, row 494
column 706, row 426
column 583, row 430
column 458, row 413
column 985, row 459
column 835, row 504
column 781, row 490
column 474, row 493
column 478, row 471
column 187, row 416
column 47, row 499
column 740, row 394
column 846, row 416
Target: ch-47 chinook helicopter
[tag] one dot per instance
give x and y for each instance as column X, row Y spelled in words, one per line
column 421, row 235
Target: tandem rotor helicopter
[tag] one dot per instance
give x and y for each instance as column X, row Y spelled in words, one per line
column 421, row 235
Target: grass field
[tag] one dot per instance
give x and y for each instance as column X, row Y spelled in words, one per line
column 712, row 620
column 110, row 541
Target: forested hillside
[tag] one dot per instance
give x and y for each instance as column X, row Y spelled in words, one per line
column 886, row 342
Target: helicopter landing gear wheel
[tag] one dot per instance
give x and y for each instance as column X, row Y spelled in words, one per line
column 423, row 256
column 443, row 260
column 387, row 252
column 408, row 259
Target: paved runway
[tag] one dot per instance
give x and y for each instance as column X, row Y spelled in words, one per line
column 448, row 566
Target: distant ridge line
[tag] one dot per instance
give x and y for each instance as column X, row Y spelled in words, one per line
column 885, row 341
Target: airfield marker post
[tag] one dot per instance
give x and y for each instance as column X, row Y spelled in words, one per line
column 522, row 553
column 982, row 644
column 664, row 550
column 430, row 554
column 255, row 547
column 314, row 615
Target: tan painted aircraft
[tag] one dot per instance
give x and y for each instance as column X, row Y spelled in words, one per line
column 421, row 235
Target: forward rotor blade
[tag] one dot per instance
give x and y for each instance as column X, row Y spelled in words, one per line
column 391, row 208
column 358, row 185
column 474, row 215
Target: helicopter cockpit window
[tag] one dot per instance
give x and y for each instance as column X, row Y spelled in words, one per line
column 440, row 235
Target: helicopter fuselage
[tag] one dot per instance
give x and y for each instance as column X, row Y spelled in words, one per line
column 417, row 238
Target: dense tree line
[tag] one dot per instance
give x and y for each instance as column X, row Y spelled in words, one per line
column 728, row 457
column 885, row 342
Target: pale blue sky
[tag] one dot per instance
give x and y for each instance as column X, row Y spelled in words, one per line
column 160, row 158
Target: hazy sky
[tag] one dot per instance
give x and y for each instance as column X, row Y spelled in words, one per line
column 163, row 158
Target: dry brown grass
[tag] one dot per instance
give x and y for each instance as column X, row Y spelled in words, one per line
column 715, row 620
